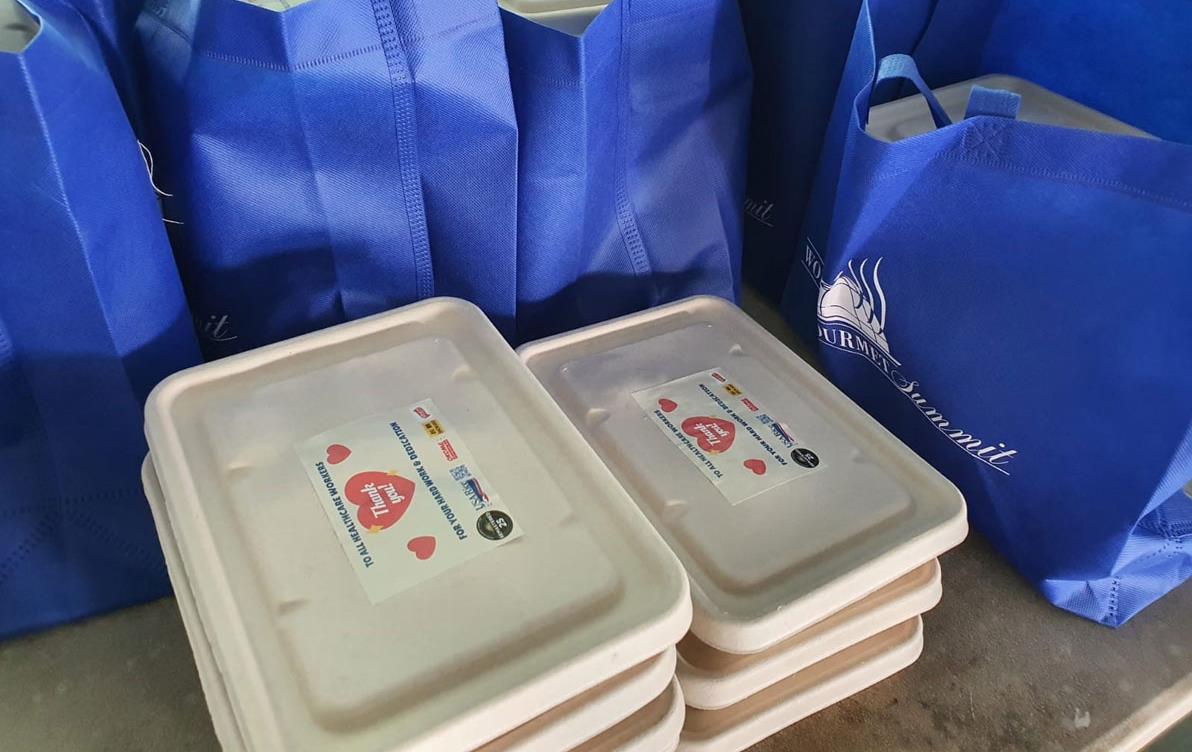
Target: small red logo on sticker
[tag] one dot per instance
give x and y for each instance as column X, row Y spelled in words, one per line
column 718, row 377
column 448, row 450
column 667, row 405
column 421, row 412
column 382, row 498
column 749, row 403
column 712, row 434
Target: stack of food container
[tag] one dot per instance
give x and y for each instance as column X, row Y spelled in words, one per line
column 385, row 535
column 809, row 532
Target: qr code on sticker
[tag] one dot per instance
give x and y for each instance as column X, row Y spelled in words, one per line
column 460, row 473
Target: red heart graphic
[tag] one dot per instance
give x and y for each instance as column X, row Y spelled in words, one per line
column 423, row 546
column 337, row 453
column 667, row 405
column 757, row 466
column 712, row 434
column 382, row 497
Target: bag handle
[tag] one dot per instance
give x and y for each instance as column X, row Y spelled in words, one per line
column 992, row 103
column 902, row 67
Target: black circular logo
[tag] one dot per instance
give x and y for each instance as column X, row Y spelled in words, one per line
column 805, row 457
column 494, row 524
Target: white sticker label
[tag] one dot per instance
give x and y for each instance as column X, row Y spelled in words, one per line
column 405, row 497
column 741, row 447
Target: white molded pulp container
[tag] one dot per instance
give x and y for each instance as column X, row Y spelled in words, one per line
column 783, row 499
column 654, row 728
column 624, row 700
column 713, row 679
column 393, row 539
column 910, row 116
column 826, row 683
column 219, row 705
column 591, row 713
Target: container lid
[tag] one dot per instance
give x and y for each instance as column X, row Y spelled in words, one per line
column 581, row 718
column 654, row 728
column 219, row 705
column 713, row 679
column 573, row 21
column 593, row 712
column 826, row 683
column 784, row 500
column 909, row 116
column 396, row 541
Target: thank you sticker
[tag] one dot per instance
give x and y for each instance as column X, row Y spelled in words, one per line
column 738, row 445
column 405, row 497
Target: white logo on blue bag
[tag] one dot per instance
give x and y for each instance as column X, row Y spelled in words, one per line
column 852, row 318
column 856, row 299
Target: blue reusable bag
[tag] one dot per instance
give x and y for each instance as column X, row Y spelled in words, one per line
column 1011, row 299
column 631, row 159
column 114, row 24
column 332, row 159
column 91, row 317
column 798, row 48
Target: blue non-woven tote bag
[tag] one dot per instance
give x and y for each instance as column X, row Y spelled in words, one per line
column 114, row 24
column 331, row 159
column 1011, row 299
column 631, row 159
column 92, row 315
column 798, row 49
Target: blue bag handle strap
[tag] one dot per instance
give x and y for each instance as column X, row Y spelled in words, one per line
column 992, row 103
column 902, row 67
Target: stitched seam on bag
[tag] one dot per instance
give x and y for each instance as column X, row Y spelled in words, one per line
column 1172, row 532
column 9, row 563
column 1161, row 521
column 101, row 496
column 114, row 542
column 1113, row 599
column 627, row 222
column 1111, row 185
column 404, row 125
column 1114, row 587
column 258, row 63
column 687, row 11
column 1181, row 530
column 443, row 32
column 41, row 421
column 1167, row 543
column 67, row 501
column 565, row 82
column 313, row 175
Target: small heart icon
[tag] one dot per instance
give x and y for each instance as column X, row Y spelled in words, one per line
column 757, row 466
column 423, row 546
column 667, row 405
column 337, row 453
